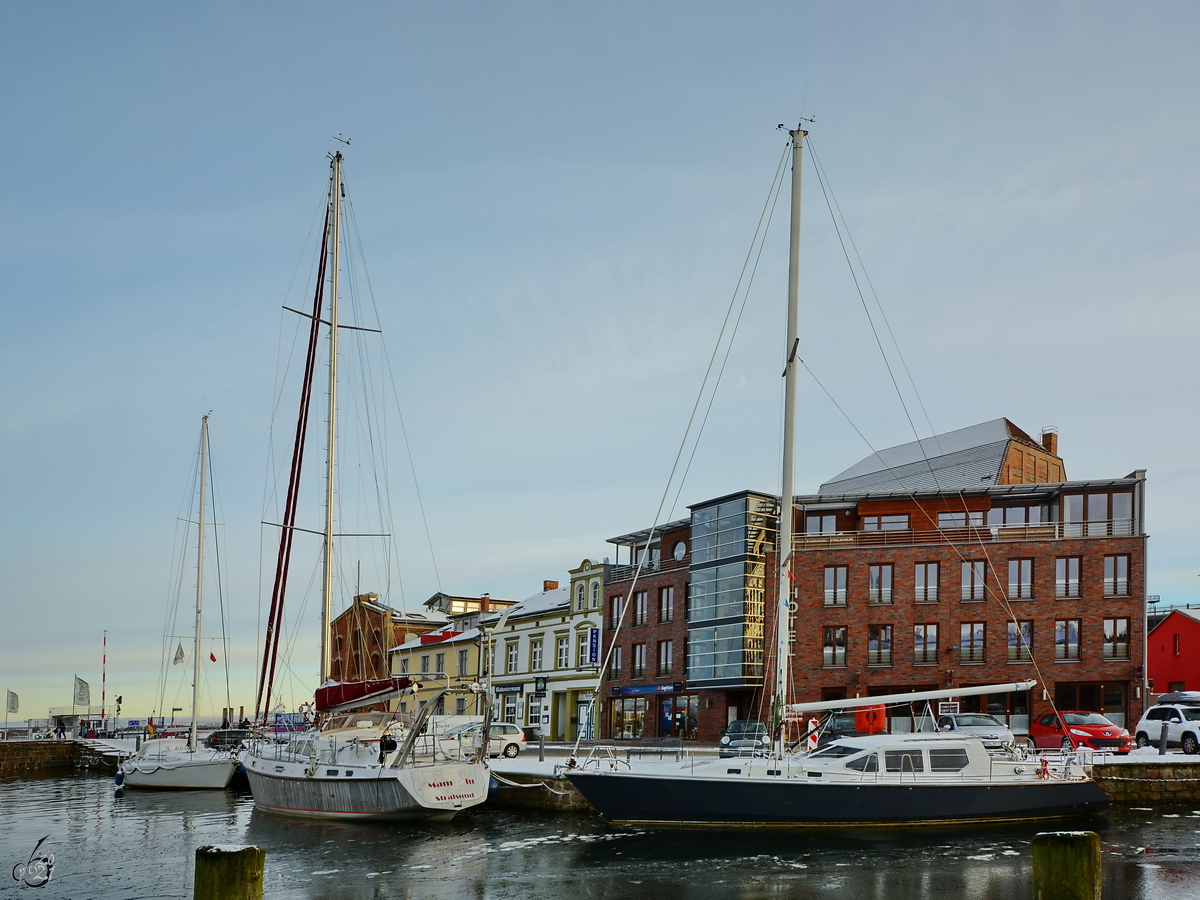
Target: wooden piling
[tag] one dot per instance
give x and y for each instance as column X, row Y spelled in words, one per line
column 227, row 873
column 1066, row 866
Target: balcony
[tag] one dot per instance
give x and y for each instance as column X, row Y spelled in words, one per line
column 1045, row 531
column 625, row 573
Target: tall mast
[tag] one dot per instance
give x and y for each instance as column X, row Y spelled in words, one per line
column 335, row 201
column 199, row 583
column 784, row 594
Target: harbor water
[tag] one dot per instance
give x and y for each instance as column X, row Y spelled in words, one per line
column 113, row 846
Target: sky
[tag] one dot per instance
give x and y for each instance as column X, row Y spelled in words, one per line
column 554, row 203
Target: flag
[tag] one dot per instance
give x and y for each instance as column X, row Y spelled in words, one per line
column 212, row 656
column 178, row 655
column 83, row 694
column 14, row 703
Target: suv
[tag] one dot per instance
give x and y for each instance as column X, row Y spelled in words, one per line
column 1183, row 725
column 994, row 733
column 744, row 737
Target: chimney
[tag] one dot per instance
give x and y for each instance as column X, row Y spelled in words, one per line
column 485, row 603
column 1050, row 439
column 549, row 585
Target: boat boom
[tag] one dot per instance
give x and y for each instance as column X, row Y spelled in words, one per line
column 892, row 699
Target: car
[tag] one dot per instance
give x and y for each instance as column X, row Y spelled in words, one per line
column 994, row 733
column 226, row 738
column 1183, row 726
column 504, row 739
column 744, row 737
column 1082, row 729
column 838, row 725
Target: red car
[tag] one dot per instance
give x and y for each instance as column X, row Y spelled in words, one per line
column 1083, row 729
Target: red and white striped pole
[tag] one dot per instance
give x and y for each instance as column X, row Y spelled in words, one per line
column 103, row 677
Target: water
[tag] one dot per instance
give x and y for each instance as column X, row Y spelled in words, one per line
column 142, row 845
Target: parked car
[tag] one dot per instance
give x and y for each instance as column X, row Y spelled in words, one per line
column 744, row 737
column 226, row 738
column 503, row 739
column 1183, row 726
column 991, row 731
column 838, row 725
column 1082, row 729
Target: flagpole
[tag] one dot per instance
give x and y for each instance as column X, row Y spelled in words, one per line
column 103, row 677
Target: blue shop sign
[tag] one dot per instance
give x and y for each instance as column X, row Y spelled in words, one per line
column 638, row 690
column 510, row 688
column 594, row 646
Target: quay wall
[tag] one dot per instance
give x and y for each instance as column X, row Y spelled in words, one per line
column 1166, row 780
column 30, row 757
column 543, row 792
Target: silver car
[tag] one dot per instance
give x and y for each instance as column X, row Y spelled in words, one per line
column 994, row 733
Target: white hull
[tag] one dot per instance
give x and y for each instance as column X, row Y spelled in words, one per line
column 178, row 769
column 292, row 786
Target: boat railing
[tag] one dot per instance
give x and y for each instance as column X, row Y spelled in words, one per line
column 599, row 756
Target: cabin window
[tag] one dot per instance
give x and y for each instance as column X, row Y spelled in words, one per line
column 947, row 759
column 903, row 761
column 868, row 763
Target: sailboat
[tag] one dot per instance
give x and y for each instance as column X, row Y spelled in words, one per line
column 864, row 780
column 182, row 763
column 362, row 765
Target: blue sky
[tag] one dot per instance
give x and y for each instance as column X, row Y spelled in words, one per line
column 555, row 200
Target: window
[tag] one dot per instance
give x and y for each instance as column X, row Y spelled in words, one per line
column 614, row 611
column 580, row 596
column 638, row 668
column 564, row 651
column 925, row 644
column 425, row 664
column 1020, row 579
column 835, row 585
column 879, row 585
column 879, row 645
column 1020, row 641
column 512, row 647
column 439, row 664
column 1096, row 515
column 404, row 666
column 948, row 759
column 885, row 523
column 820, row 523
column 1066, row 576
column 1116, row 576
column 595, row 595
column 460, row 706
column 665, row 657
column 834, row 652
column 1066, row 639
column 581, row 651
column 535, row 655
column 615, row 665
column 534, row 710
column 970, row 642
column 1175, row 648
column 903, row 761
column 1116, row 639
column 960, row 519
column 926, row 582
column 973, row 574
column 510, row 708
column 639, row 608
column 1015, row 516
column 439, row 708
column 463, row 662
column 666, row 604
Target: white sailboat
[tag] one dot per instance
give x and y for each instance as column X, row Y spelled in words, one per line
column 873, row 780
column 182, row 763
column 364, row 766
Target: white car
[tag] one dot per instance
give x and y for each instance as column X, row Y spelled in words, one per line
column 1183, row 726
column 503, row 740
column 994, row 733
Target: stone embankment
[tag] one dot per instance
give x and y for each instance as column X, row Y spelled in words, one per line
column 1167, row 779
column 32, row 757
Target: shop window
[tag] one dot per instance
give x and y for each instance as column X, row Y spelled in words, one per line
column 627, row 717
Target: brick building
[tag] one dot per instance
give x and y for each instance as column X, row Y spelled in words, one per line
column 961, row 560
column 365, row 632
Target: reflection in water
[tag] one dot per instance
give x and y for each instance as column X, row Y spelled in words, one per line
column 142, row 844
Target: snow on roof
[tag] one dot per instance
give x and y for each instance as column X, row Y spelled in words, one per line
column 537, row 605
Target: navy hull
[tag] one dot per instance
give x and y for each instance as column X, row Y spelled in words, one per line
column 654, row 799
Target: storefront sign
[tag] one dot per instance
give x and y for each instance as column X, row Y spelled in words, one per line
column 594, row 646
column 638, row 690
column 510, row 688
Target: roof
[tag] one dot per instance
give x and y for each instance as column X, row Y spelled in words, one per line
column 637, row 538
column 1193, row 614
column 966, row 458
column 537, row 605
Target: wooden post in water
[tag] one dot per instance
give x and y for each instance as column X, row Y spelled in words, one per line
column 225, row 873
column 1066, row 866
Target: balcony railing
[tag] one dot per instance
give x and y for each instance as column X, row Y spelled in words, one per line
column 625, row 573
column 1045, row 531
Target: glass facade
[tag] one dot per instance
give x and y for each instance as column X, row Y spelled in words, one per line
column 730, row 540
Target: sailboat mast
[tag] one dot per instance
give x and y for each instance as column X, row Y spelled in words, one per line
column 199, row 583
column 784, row 594
column 331, row 438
